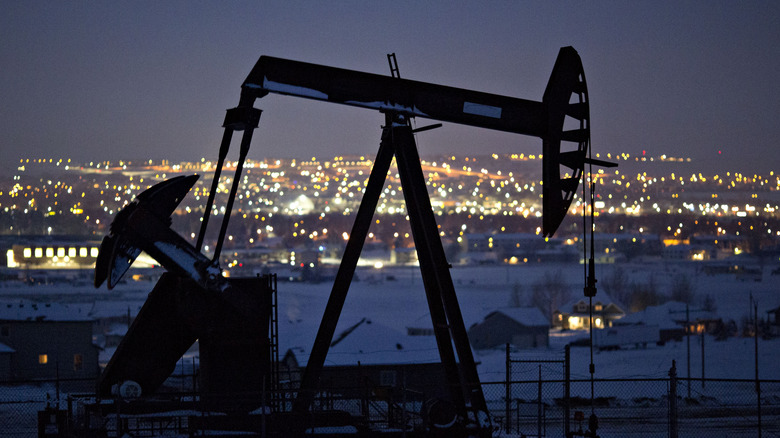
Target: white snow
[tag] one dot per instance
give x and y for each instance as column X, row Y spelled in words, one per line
column 278, row 87
column 394, row 305
column 387, row 106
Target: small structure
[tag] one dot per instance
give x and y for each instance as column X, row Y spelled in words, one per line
column 523, row 327
column 513, row 248
column 626, row 335
column 367, row 357
column 576, row 314
column 670, row 319
column 47, row 341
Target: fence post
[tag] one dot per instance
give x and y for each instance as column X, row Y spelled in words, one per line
column 673, row 400
column 508, row 395
column 566, row 388
column 539, row 405
column 758, row 382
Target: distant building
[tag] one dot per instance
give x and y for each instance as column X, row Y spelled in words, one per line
column 670, row 319
column 513, row 248
column 576, row 315
column 687, row 252
column 52, row 255
column 46, row 341
column 371, row 358
column 523, row 327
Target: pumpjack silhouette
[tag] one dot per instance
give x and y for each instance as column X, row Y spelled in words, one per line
column 231, row 318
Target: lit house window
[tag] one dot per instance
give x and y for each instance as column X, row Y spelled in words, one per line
column 71, row 252
column 49, row 252
column 93, row 251
column 27, row 253
column 60, row 252
column 82, row 252
column 598, row 307
column 43, row 359
column 38, row 253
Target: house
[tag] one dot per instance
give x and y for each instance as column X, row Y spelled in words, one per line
column 670, row 318
column 523, row 327
column 512, row 248
column 47, row 341
column 576, row 315
column 366, row 357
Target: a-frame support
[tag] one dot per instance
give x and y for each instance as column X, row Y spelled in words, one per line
column 461, row 373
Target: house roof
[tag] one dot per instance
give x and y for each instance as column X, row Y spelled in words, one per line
column 107, row 309
column 667, row 315
column 371, row 343
column 6, row 349
column 26, row 310
column 527, row 316
column 601, row 297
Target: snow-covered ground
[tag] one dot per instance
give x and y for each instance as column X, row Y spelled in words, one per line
column 390, row 300
column 394, row 299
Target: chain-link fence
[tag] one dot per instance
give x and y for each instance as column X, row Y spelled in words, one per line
column 23, row 405
column 638, row 407
column 536, row 407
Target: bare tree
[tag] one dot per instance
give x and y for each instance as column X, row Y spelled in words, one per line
column 616, row 285
column 644, row 295
column 709, row 304
column 550, row 293
column 682, row 289
column 515, row 296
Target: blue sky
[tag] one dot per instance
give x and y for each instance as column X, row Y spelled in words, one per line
column 139, row 80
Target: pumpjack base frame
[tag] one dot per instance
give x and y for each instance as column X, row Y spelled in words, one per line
column 451, row 336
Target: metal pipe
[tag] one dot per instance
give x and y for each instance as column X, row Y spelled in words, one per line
column 245, row 142
column 223, row 150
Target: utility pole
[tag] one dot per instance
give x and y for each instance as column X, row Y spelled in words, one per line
column 758, row 382
column 688, row 340
column 702, row 360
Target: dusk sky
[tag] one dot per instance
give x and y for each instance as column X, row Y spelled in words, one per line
column 139, row 80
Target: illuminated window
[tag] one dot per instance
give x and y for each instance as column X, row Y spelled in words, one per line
column 38, row 253
column 49, row 252
column 82, row 252
column 9, row 256
column 43, row 359
column 71, row 252
column 93, row 251
column 27, row 253
column 78, row 362
column 60, row 252
column 598, row 307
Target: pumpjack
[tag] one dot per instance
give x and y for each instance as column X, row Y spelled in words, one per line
column 230, row 317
